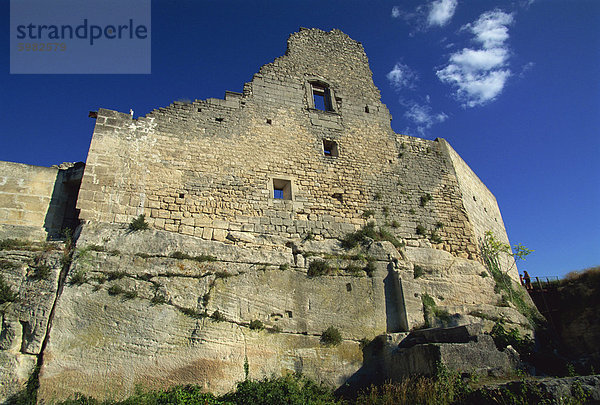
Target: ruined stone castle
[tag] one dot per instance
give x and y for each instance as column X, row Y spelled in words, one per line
column 247, row 199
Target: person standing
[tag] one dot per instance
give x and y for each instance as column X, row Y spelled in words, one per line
column 527, row 280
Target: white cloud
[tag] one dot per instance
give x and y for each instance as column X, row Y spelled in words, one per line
column 440, row 12
column 423, row 116
column 491, row 29
column 402, row 76
column 479, row 75
column 482, row 59
column 395, row 11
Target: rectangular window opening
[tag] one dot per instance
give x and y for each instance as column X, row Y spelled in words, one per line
column 321, row 98
column 282, row 189
column 330, row 148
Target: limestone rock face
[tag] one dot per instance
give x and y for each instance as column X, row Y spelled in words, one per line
column 158, row 308
column 32, row 277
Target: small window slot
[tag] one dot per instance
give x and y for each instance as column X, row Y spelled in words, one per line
column 330, row 148
column 282, row 189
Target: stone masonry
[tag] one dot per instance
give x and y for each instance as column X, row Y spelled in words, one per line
column 245, row 197
column 207, row 168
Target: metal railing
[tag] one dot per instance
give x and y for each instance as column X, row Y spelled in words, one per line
column 541, row 283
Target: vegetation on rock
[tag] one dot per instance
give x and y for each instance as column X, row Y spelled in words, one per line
column 255, row 324
column 431, row 311
column 138, row 224
column 359, row 237
column 319, row 268
column 492, row 250
column 331, row 337
column 6, row 293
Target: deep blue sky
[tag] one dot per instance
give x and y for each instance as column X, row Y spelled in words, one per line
column 532, row 136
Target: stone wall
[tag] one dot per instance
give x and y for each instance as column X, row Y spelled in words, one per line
column 35, row 201
column 207, row 167
column 481, row 207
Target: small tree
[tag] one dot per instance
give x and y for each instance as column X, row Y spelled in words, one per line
column 331, row 337
column 138, row 224
column 492, row 250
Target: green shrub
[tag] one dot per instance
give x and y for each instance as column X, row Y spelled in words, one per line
column 360, row 236
column 291, row 389
column 483, row 274
column 284, row 267
column 418, row 271
column 354, row 270
column 386, row 211
column 185, row 256
column 430, row 309
column 13, row 244
column 182, row 395
column 180, row 256
column 41, row 272
column 115, row 275
column 192, row 313
column 116, row 290
column 425, row 199
column 435, row 238
column 502, row 338
column 319, row 268
column 79, row 277
column 309, row 236
column 384, row 234
column 138, row 224
column 421, row 230
column 412, row 211
column 395, row 224
column 368, row 214
column 331, row 337
column 443, row 388
column 255, row 324
column 6, row 293
column 370, row 268
column 377, row 196
column 218, row 316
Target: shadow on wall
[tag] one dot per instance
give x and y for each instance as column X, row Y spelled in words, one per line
column 395, row 311
column 62, row 210
column 372, row 372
